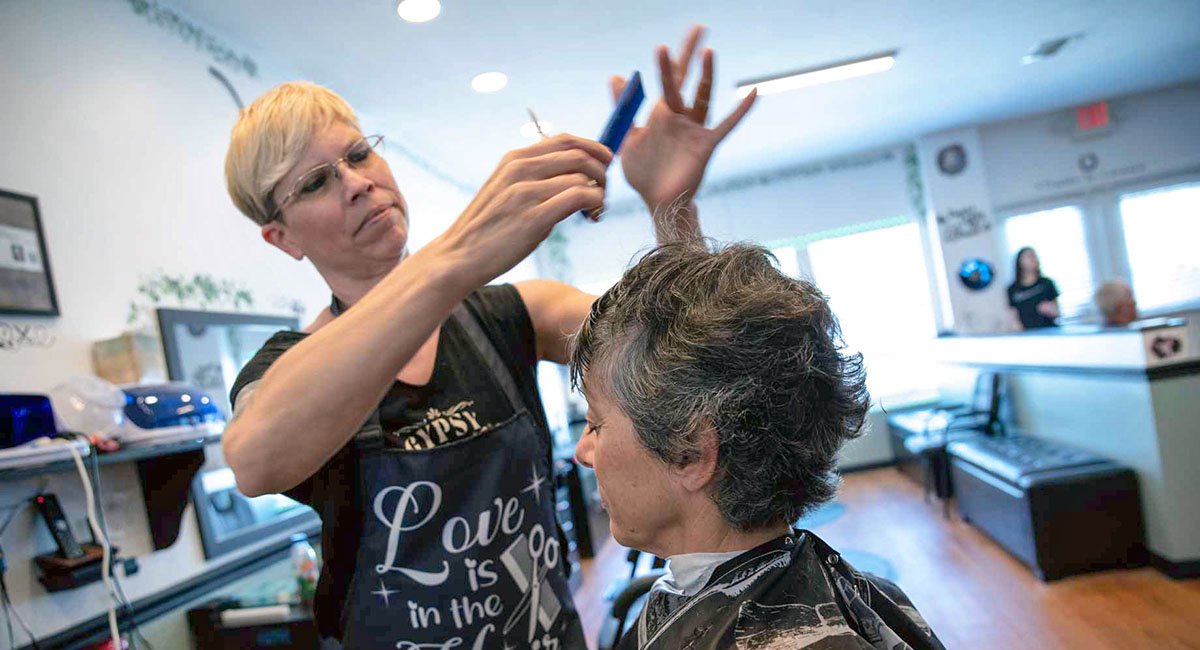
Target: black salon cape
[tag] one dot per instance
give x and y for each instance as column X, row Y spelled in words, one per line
column 793, row 592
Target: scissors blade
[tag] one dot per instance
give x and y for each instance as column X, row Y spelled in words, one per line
column 537, row 124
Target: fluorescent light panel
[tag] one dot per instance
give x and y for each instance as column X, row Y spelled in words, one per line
column 815, row 76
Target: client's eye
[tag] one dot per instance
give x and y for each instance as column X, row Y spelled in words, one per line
column 593, row 427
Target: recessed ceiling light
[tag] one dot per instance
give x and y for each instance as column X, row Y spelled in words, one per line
column 1048, row 49
column 530, row 130
column 419, row 11
column 824, row 74
column 489, row 82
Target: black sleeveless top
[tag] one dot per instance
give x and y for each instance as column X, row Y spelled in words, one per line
column 458, row 403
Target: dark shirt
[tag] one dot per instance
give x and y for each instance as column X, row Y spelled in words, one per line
column 1026, row 299
column 460, row 401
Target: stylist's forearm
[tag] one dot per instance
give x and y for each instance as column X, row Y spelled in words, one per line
column 675, row 221
column 317, row 395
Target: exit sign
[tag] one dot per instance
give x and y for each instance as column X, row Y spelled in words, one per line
column 1092, row 116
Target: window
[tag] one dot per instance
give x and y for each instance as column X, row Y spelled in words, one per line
column 878, row 287
column 789, row 264
column 1058, row 237
column 1162, row 231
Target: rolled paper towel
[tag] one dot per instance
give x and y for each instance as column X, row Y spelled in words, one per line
column 255, row 615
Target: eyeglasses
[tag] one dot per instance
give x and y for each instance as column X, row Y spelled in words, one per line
column 317, row 180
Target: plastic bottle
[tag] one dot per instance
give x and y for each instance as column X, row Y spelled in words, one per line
column 305, row 568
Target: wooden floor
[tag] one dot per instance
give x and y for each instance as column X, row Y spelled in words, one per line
column 972, row 593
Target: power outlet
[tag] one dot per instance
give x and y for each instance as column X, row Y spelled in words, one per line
column 125, row 567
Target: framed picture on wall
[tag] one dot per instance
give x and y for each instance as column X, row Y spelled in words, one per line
column 26, row 286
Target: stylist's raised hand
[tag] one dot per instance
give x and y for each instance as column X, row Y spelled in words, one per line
column 665, row 159
column 531, row 190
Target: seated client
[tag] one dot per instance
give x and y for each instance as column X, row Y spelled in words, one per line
column 718, row 397
column 1114, row 300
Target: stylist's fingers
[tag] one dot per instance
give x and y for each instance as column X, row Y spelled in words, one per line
column 528, row 195
column 558, row 163
column 510, row 223
column 616, row 84
column 560, row 142
column 568, row 201
column 703, row 90
column 513, row 166
column 736, row 116
column 670, row 86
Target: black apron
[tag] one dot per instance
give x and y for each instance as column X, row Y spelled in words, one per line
column 459, row 547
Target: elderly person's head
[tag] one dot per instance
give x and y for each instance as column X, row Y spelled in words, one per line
column 719, row 395
column 1114, row 300
column 299, row 166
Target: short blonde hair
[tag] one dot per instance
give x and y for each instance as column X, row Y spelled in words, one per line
column 269, row 138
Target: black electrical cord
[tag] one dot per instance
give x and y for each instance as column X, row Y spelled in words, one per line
column 12, row 643
column 12, row 515
column 8, row 621
column 10, row 612
column 126, row 607
column 16, row 508
column 6, row 602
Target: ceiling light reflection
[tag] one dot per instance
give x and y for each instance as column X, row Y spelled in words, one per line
column 489, row 82
column 419, row 11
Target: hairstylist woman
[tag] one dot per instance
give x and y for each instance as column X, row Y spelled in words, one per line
column 407, row 414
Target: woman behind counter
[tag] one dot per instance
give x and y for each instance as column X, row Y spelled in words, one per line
column 1032, row 297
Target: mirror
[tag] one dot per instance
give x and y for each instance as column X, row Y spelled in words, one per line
column 229, row 520
column 207, row 350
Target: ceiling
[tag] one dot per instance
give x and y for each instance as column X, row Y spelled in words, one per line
column 958, row 63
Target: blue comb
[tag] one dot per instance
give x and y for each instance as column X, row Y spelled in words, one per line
column 622, row 117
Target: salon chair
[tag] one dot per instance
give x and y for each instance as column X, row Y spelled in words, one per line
column 626, row 606
column 919, row 438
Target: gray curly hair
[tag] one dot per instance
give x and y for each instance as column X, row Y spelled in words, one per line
column 698, row 334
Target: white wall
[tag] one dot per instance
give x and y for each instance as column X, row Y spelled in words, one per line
column 1036, row 158
column 117, row 127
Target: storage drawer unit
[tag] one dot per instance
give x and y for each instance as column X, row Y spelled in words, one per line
column 1059, row 510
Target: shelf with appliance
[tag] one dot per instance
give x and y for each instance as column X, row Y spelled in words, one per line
column 163, row 429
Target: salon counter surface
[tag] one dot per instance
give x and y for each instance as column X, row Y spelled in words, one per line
column 1159, row 347
column 1127, row 394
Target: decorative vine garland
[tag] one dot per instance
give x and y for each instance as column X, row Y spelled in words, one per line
column 193, row 35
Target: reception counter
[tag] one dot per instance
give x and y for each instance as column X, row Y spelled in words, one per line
column 1131, row 394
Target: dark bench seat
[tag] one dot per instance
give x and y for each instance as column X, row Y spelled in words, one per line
column 1060, row 510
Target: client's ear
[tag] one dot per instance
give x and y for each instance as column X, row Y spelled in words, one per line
column 697, row 475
